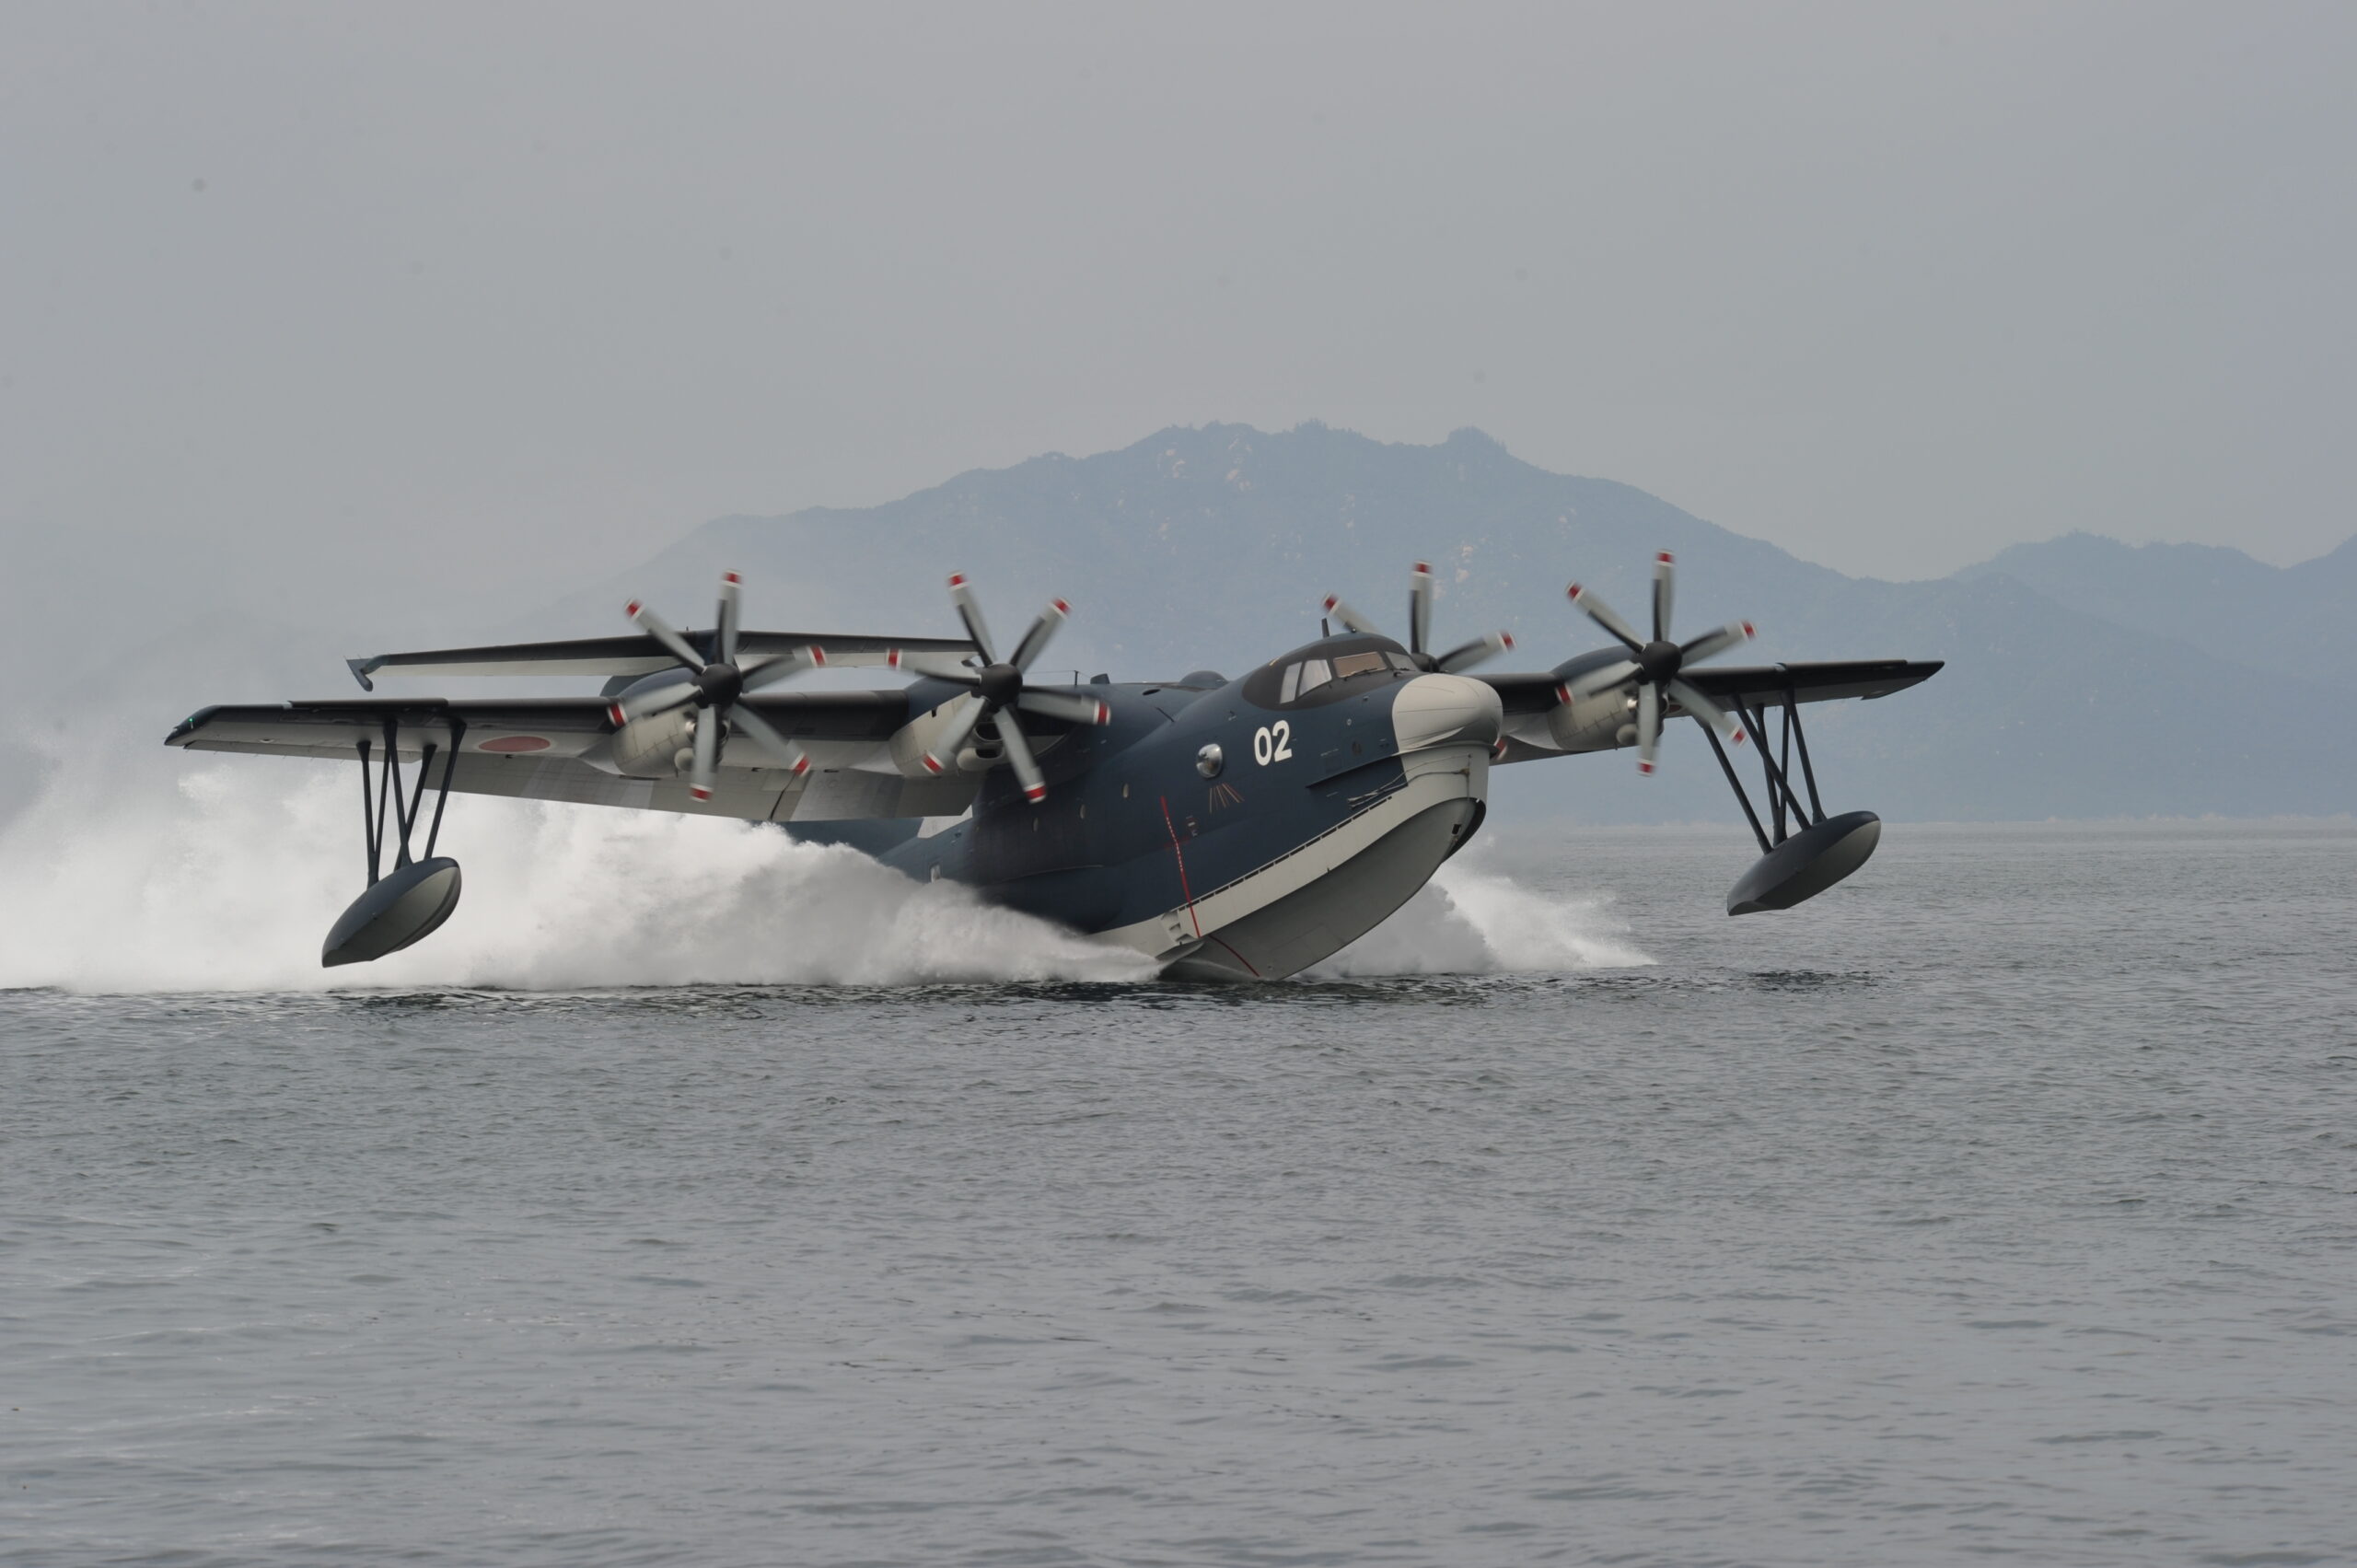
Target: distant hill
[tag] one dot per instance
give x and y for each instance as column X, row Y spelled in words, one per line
column 2083, row 682
column 2301, row 620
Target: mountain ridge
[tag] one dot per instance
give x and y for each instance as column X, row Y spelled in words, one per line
column 1212, row 545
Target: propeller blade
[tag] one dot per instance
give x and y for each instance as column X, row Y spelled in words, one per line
column 1690, row 698
column 658, row 700
column 943, row 752
column 765, row 734
column 1019, row 758
column 962, row 596
column 1351, row 619
column 1710, row 645
column 1599, row 679
column 1420, row 608
column 1475, row 651
column 1665, row 588
column 945, row 667
column 1070, row 705
column 1604, row 615
column 730, row 586
column 1035, row 640
column 769, row 672
column 1648, row 727
column 707, row 755
column 654, row 626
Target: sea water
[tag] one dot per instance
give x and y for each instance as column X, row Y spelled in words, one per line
column 2000, row 1203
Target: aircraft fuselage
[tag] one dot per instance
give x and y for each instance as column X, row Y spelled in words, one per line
column 1248, row 829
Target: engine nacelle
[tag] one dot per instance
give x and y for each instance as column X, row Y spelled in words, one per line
column 650, row 748
column 1592, row 723
column 913, row 740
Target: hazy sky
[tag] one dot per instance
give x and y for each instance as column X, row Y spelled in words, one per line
column 511, row 291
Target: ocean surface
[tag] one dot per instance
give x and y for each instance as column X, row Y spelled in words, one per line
column 2000, row 1205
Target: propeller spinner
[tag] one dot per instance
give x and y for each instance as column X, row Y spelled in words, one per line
column 1464, row 656
column 1653, row 668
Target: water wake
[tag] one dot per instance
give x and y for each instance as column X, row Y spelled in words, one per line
column 137, row 873
column 1472, row 922
column 225, row 879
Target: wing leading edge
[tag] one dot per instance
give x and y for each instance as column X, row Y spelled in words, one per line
column 1529, row 699
column 1824, row 680
column 539, row 749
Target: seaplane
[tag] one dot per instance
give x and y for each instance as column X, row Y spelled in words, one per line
column 1233, row 830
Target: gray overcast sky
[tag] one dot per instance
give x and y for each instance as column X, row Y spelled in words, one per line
column 515, row 288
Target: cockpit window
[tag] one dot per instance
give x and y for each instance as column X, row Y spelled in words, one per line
column 1281, row 683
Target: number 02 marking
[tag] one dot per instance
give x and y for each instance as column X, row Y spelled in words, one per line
column 1272, row 744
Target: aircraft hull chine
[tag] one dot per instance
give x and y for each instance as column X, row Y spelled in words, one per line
column 1308, row 904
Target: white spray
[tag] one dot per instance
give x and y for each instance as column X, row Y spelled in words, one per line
column 174, row 873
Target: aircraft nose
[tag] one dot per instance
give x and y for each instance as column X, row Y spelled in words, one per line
column 1439, row 710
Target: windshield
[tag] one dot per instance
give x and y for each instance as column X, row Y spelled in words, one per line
column 1321, row 676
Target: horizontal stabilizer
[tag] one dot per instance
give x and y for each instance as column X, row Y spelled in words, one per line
column 641, row 653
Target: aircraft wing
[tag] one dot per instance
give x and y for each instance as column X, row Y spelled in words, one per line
column 640, row 654
column 1824, row 680
column 535, row 748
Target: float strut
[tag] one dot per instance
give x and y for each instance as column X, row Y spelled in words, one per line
column 1808, row 770
column 1736, row 784
column 458, row 729
column 371, row 826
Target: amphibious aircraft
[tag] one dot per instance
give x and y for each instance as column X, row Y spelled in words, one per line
column 1228, row 828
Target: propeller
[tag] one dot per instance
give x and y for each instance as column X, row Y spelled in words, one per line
column 1653, row 668
column 998, row 691
column 1464, row 656
column 718, row 683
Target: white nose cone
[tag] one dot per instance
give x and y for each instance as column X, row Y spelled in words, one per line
column 1442, row 710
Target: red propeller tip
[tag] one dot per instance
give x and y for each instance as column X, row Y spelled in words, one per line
column 1645, row 768
column 1424, row 568
column 1104, row 713
column 1035, row 794
column 614, row 711
column 1062, row 608
column 1331, row 600
column 1505, row 641
column 1498, row 750
column 732, row 577
column 932, row 763
column 801, row 766
column 700, row 792
column 1738, row 741
column 1749, row 630
column 1664, row 558
column 631, row 609
column 1575, row 591
column 1562, row 692
column 956, row 580
column 817, row 653
column 892, row 658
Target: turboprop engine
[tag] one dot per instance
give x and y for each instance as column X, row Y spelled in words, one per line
column 1595, row 721
column 673, row 721
column 650, row 748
